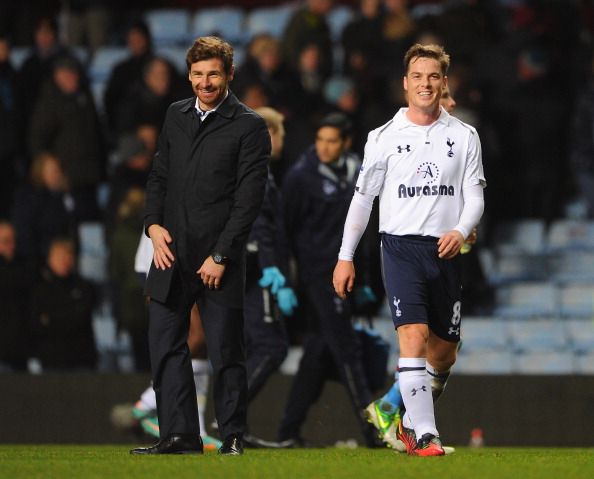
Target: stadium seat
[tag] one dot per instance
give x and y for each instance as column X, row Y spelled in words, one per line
column 485, row 362
column 521, row 236
column 168, row 26
column 485, row 334
column 272, row 20
column 18, row 55
column 513, row 267
column 338, row 18
column 538, row 335
column 584, row 363
column 572, row 267
column 103, row 62
column 569, row 235
column 580, row 333
column 92, row 257
column 227, row 22
column 530, row 299
column 98, row 92
column 577, row 300
column 545, row 362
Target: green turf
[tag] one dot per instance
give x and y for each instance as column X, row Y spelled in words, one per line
column 114, row 462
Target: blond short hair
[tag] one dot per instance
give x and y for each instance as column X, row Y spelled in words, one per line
column 273, row 118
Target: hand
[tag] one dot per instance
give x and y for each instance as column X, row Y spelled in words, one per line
column 449, row 244
column 211, row 273
column 364, row 295
column 471, row 237
column 162, row 255
column 343, row 278
column 271, row 276
column 287, row 301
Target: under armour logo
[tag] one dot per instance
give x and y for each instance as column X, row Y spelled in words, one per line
column 396, row 302
column 415, row 391
column 455, row 331
column 450, row 143
column 403, row 148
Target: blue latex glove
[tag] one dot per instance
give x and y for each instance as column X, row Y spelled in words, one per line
column 271, row 276
column 287, row 301
column 364, row 295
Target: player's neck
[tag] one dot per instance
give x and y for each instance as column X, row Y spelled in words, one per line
column 422, row 117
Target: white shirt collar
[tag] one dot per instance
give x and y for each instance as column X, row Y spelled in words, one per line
column 401, row 120
column 204, row 113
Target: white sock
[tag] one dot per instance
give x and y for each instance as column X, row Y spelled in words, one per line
column 201, row 370
column 149, row 399
column 416, row 394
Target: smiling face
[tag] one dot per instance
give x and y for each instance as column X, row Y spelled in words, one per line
column 209, row 81
column 424, row 83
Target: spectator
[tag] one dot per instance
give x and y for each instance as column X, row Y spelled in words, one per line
column 129, row 303
column 65, row 123
column 148, row 100
column 274, row 122
column 10, row 128
column 308, row 26
column 361, row 40
column 87, row 22
column 132, row 172
column 62, row 304
column 264, row 65
column 398, row 29
column 38, row 67
column 43, row 209
column 582, row 142
column 341, row 94
column 128, row 73
column 15, row 284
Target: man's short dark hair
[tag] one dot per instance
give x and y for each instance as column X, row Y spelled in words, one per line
column 206, row 48
column 339, row 121
column 436, row 52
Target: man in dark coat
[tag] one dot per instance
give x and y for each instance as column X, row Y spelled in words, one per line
column 203, row 194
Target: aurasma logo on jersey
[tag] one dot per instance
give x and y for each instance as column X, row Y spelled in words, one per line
column 427, row 190
column 428, row 172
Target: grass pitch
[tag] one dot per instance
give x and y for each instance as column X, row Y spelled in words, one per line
column 114, row 462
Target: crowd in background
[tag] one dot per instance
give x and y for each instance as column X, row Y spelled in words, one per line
column 522, row 73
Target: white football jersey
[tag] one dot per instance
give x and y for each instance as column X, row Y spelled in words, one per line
column 419, row 173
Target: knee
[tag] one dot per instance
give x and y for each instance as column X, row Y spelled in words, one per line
column 413, row 340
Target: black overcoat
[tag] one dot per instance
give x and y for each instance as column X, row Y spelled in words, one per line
column 206, row 187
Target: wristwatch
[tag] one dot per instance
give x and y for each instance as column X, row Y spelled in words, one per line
column 218, row 258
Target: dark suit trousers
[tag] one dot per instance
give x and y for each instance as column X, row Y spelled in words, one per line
column 173, row 380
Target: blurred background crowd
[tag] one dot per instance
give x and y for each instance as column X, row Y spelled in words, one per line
column 84, row 86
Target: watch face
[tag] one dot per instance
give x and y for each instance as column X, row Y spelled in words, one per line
column 218, row 258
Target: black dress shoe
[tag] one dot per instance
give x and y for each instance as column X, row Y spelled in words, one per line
column 232, row 446
column 173, row 444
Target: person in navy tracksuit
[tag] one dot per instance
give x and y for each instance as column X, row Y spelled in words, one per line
column 316, row 194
